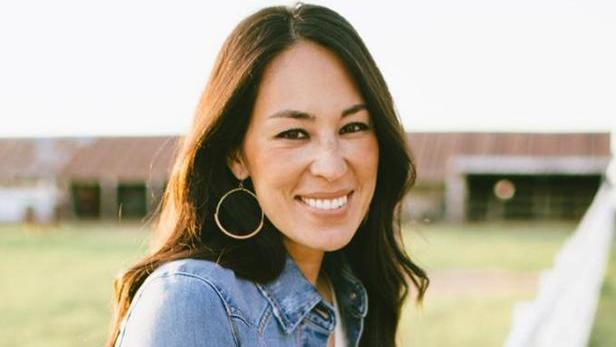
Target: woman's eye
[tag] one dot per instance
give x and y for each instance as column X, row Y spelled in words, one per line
column 354, row 127
column 293, row 134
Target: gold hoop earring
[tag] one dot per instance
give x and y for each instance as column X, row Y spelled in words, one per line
column 225, row 231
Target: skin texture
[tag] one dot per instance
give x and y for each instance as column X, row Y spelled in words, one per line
column 315, row 154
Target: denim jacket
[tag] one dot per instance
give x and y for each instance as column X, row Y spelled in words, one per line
column 194, row 302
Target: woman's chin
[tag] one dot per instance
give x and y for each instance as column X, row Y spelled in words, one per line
column 332, row 241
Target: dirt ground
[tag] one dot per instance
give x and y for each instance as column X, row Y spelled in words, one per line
column 480, row 283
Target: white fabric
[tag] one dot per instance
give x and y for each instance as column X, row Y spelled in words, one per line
column 340, row 337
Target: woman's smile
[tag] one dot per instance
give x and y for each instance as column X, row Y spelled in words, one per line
column 324, row 207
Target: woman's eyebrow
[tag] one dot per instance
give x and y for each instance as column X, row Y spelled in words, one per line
column 304, row 115
column 353, row 109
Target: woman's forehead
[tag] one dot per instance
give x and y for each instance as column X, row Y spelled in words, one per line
column 306, row 77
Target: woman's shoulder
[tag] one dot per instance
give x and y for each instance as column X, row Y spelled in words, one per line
column 204, row 277
column 186, row 300
column 182, row 282
column 201, row 270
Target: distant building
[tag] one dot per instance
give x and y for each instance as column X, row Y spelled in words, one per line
column 494, row 176
column 461, row 176
column 29, row 169
column 118, row 177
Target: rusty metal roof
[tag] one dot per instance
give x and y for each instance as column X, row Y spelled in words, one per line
column 123, row 159
column 433, row 150
column 33, row 158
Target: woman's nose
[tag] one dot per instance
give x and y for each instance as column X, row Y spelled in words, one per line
column 329, row 161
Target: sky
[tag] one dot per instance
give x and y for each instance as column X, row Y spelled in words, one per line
column 128, row 67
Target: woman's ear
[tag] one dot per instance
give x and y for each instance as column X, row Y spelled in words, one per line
column 236, row 163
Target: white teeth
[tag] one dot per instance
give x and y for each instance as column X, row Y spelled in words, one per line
column 326, row 204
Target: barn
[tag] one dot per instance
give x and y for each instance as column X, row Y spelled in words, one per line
column 460, row 176
column 505, row 176
column 117, row 178
column 29, row 169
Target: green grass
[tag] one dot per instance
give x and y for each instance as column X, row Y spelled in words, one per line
column 603, row 333
column 56, row 282
column 514, row 247
column 478, row 273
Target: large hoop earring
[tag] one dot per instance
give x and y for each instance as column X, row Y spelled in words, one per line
column 225, row 231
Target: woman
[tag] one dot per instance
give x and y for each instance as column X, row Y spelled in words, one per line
column 279, row 223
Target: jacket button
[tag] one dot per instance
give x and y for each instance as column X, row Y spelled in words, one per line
column 353, row 295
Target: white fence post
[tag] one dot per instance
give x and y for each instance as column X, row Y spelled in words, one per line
column 563, row 311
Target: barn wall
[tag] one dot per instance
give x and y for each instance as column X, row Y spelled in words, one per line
column 424, row 203
column 118, row 200
column 33, row 200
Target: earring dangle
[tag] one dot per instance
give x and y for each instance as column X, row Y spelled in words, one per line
column 225, row 231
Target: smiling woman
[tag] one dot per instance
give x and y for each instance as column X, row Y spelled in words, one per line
column 279, row 225
column 313, row 168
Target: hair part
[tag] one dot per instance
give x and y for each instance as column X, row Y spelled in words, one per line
column 185, row 226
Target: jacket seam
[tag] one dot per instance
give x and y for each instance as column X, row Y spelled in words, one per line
column 226, row 305
column 229, row 307
column 265, row 318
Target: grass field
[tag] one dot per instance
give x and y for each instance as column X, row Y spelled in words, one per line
column 56, row 282
column 603, row 334
column 478, row 273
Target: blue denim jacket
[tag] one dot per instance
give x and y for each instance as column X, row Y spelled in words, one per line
column 193, row 302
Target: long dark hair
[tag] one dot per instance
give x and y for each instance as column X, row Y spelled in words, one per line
column 200, row 176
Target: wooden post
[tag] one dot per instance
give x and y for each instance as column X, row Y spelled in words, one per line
column 109, row 199
column 455, row 197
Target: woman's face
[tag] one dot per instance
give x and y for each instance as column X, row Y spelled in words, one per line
column 310, row 149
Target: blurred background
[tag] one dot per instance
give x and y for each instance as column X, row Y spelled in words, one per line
column 509, row 110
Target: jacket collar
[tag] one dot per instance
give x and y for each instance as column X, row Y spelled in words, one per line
column 292, row 296
column 350, row 292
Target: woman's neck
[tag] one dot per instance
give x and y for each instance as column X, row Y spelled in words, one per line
column 308, row 260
